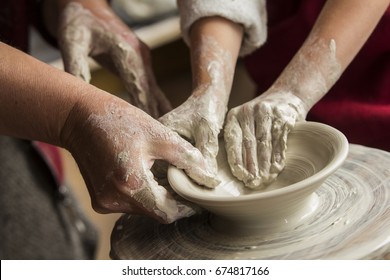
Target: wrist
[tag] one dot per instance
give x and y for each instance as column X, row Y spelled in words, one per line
column 76, row 125
column 288, row 97
column 312, row 72
column 215, row 44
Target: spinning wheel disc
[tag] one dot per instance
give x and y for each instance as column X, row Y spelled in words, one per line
column 352, row 221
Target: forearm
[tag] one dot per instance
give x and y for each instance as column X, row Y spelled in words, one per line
column 337, row 36
column 36, row 99
column 349, row 23
column 250, row 14
column 215, row 47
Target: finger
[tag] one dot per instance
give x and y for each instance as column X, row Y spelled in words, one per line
column 131, row 69
column 180, row 125
column 264, row 143
column 286, row 121
column 249, row 154
column 206, row 140
column 164, row 182
column 75, row 47
column 128, row 66
column 136, row 191
column 155, row 201
column 165, row 206
column 279, row 139
column 280, row 148
column 233, row 145
column 160, row 167
column 183, row 155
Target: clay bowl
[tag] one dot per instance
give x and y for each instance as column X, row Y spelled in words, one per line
column 314, row 152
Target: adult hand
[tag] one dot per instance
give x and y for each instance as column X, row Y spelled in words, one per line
column 91, row 29
column 256, row 136
column 115, row 146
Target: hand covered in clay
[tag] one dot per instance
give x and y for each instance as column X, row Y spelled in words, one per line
column 256, row 136
column 215, row 43
column 93, row 30
column 115, row 146
column 200, row 119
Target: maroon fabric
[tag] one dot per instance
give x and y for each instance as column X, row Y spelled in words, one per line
column 14, row 23
column 359, row 103
column 15, row 18
column 52, row 156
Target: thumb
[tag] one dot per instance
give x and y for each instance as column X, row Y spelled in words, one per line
column 185, row 156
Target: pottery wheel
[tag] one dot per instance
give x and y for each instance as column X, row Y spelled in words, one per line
column 352, row 221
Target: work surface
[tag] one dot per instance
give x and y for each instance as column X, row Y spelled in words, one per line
column 352, row 221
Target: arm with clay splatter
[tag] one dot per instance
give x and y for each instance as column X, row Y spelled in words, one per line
column 215, row 46
column 89, row 28
column 114, row 143
column 256, row 132
column 215, row 42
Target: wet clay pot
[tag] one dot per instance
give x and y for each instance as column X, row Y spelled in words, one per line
column 332, row 201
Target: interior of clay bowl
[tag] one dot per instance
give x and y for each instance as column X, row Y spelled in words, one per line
column 314, row 151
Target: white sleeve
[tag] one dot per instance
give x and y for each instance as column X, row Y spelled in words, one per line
column 251, row 14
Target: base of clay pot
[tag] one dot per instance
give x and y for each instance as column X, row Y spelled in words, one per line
column 286, row 220
column 350, row 220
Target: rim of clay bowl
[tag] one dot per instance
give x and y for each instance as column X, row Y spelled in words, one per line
column 335, row 163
